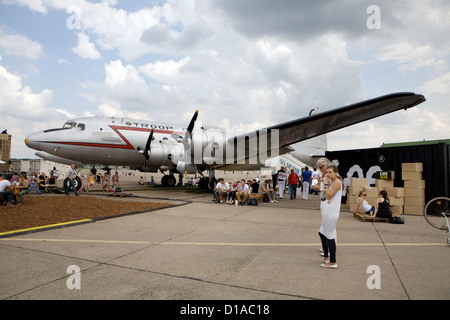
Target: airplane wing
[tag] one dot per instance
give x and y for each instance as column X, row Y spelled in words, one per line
column 327, row 121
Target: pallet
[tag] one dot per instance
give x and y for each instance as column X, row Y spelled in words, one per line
column 366, row 218
column 119, row 194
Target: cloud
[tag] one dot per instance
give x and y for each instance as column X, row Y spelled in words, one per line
column 18, row 100
column 19, row 45
column 85, row 48
column 439, row 85
column 34, row 5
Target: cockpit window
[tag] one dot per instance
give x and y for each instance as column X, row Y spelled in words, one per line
column 81, row 127
column 69, row 125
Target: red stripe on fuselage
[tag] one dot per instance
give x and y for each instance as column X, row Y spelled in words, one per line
column 116, row 129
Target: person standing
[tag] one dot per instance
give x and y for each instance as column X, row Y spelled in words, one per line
column 330, row 214
column 322, row 165
column 293, row 181
column 72, row 175
column 306, row 182
column 281, row 177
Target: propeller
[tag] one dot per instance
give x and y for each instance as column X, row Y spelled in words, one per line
column 147, row 145
column 189, row 129
column 182, row 166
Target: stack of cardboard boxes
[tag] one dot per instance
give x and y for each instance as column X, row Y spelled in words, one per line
column 408, row 200
column 414, row 186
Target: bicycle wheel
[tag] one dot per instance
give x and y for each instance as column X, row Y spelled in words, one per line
column 437, row 211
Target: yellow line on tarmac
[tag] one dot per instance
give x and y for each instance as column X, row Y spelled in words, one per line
column 231, row 244
column 44, row 227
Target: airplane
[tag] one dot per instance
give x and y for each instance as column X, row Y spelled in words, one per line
column 151, row 146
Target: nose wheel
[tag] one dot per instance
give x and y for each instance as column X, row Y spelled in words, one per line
column 77, row 183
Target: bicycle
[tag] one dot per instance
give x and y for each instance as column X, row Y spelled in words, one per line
column 437, row 213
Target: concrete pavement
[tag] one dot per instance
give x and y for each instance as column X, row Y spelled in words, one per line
column 199, row 250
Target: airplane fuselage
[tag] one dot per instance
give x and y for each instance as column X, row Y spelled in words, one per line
column 109, row 141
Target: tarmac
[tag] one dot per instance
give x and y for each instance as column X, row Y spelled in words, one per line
column 199, row 250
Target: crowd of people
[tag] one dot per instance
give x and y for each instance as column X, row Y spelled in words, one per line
column 239, row 192
column 13, row 187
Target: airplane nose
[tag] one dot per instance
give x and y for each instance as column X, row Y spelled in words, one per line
column 32, row 141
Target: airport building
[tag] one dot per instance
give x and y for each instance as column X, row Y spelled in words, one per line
column 5, row 152
column 38, row 166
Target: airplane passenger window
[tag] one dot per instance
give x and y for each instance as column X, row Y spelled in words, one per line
column 81, row 127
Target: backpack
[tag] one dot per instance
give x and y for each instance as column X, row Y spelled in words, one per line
column 396, row 220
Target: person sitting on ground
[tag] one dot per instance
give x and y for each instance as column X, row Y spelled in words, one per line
column 242, row 192
column 15, row 177
column 232, row 193
column 254, row 187
column 115, row 180
column 23, row 187
column 51, row 182
column 264, row 189
column 363, row 205
column 91, row 180
column 43, row 180
column 6, row 190
column 105, row 183
column 221, row 190
column 34, row 183
column 383, row 206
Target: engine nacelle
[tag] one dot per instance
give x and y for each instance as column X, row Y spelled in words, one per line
column 182, row 167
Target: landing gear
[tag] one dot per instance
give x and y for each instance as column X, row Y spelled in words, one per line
column 169, row 181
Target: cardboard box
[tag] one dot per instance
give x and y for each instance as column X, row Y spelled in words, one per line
column 395, row 192
column 418, row 201
column 381, row 184
column 385, row 175
column 412, row 167
column 354, row 191
column 396, row 201
column 416, row 210
column 358, row 182
column 371, row 192
column 353, row 207
column 351, row 199
column 407, row 175
column 414, row 184
column 414, row 193
column 372, row 201
column 397, row 209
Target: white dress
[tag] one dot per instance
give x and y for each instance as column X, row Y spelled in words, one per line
column 330, row 210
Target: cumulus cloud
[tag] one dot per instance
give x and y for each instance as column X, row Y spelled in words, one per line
column 85, row 48
column 18, row 100
column 439, row 85
column 19, row 45
column 257, row 62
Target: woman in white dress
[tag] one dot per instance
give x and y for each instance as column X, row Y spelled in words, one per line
column 330, row 209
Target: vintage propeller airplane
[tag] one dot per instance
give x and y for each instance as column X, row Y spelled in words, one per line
column 152, row 146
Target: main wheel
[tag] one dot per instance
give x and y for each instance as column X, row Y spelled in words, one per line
column 437, row 211
column 168, row 181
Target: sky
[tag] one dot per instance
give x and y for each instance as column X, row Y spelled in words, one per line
column 244, row 64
